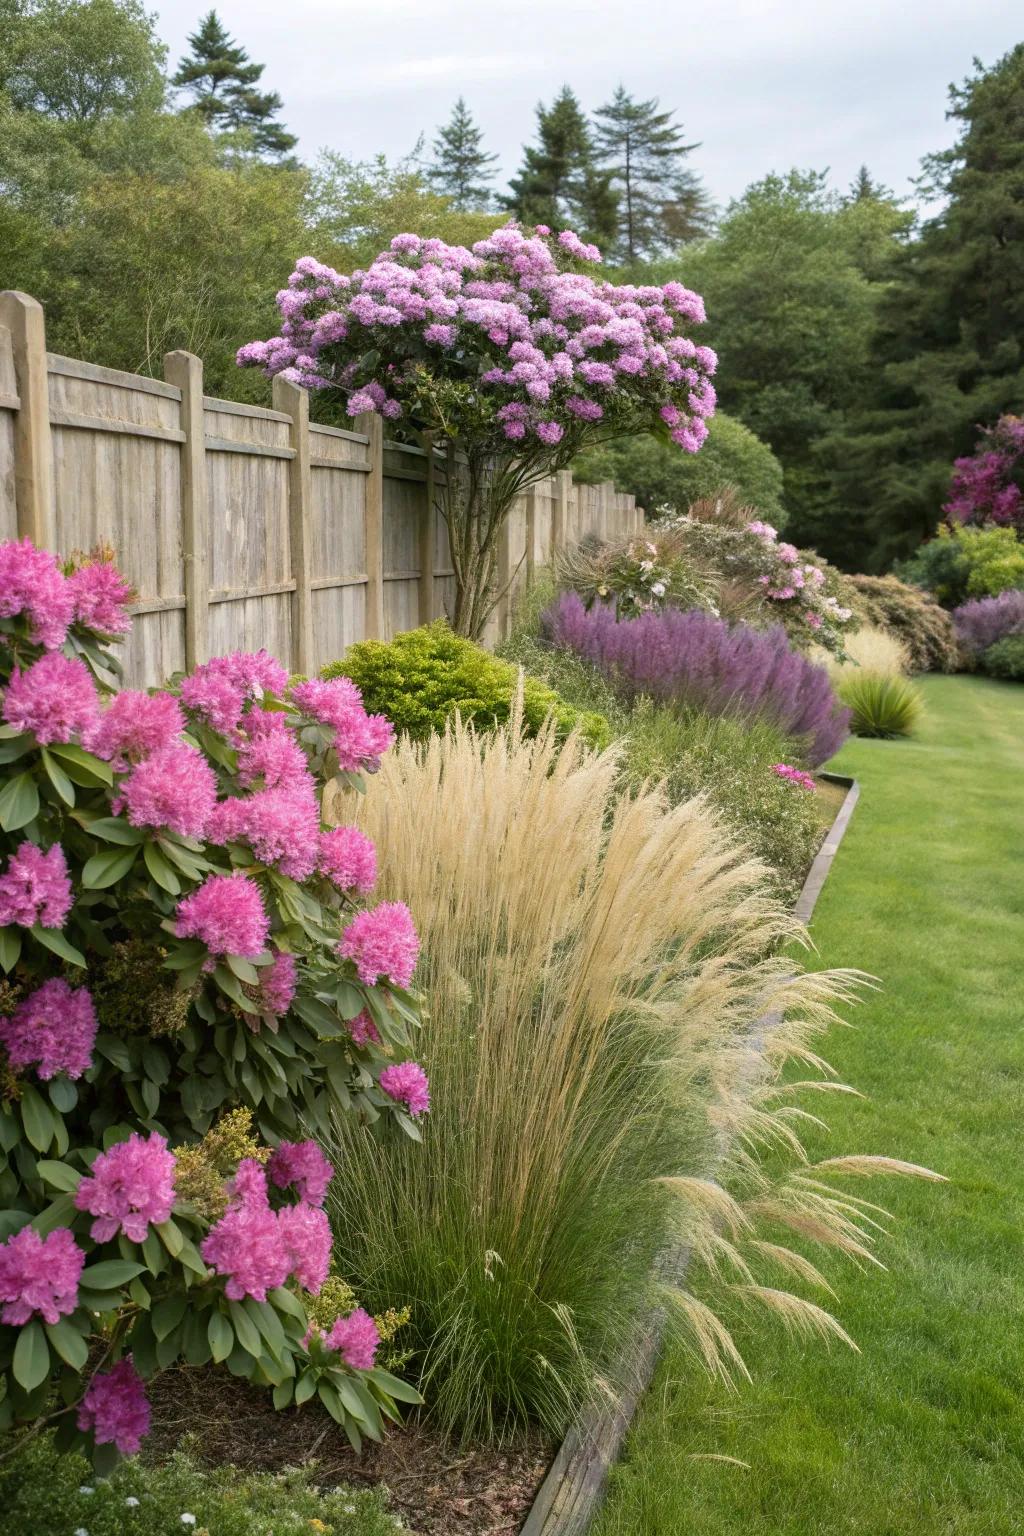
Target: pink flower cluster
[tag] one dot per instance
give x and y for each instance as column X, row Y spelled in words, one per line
column 356, row 1338
column 559, row 348
column 173, row 788
column 281, row 826
column 35, row 888
column 359, row 739
column 257, row 1248
column 53, row 1029
column 303, row 1165
column 348, row 859
column 278, row 983
column 55, row 698
column 985, row 486
column 227, row 914
column 32, row 583
column 793, row 577
column 39, row 1276
column 362, row 1028
column 129, row 1188
column 794, row 775
column 135, row 725
column 116, row 1409
column 217, row 690
column 406, row 1083
column 383, row 942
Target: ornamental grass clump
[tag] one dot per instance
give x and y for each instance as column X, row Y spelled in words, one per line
column 693, row 660
column 611, row 1018
column 182, row 943
column 880, row 704
column 509, row 357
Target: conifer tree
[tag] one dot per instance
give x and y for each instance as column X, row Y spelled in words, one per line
column 461, row 167
column 223, row 81
column 558, row 183
column 661, row 202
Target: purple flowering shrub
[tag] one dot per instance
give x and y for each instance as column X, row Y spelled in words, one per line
column 181, row 941
column 694, row 660
column 507, row 355
column 986, row 620
column 987, row 485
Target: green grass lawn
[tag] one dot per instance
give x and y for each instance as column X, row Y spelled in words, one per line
column 923, row 1431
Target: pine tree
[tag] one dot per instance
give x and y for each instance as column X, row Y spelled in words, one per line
column 662, row 203
column 461, row 167
column 864, row 188
column 222, row 80
column 558, row 183
column 948, row 353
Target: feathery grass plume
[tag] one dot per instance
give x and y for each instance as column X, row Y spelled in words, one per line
column 610, row 1006
column 872, row 648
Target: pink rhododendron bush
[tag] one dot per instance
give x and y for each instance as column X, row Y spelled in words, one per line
column 194, row 987
column 510, row 356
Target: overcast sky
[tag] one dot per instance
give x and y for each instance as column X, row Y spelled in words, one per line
column 762, row 84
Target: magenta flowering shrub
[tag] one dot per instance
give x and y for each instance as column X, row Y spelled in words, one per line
column 985, row 620
column 508, row 354
column 695, row 660
column 988, row 486
column 184, row 827
column 794, row 776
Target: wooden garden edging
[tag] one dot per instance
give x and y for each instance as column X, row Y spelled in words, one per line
column 571, row 1493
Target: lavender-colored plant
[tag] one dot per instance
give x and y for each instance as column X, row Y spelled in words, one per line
column 697, row 661
column 985, row 620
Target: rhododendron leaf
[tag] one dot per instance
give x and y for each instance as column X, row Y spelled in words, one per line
column 142, row 1340
column 285, row 1301
column 244, row 969
column 246, row 1331
column 229, row 986
column 171, row 1236
column 104, row 1459
column 31, row 1357
column 109, row 1274
column 189, row 952
column 10, row 947
column 161, row 870
column 58, row 778
column 401, row 1391
column 349, row 999
column 138, row 1293
column 305, row 1387
column 189, row 865
column 11, row 1222
column 107, row 868
column 115, row 1051
column 189, row 1258
column 150, row 1095
column 410, row 1127
column 113, row 830
column 37, row 1118
column 220, row 1335
column 14, row 744
column 19, row 802
column 63, row 1094
column 59, row 1213
column 269, row 1325
column 54, row 940
column 153, row 1253
column 155, row 1064
column 68, row 1343
column 283, row 1394
column 169, row 1347
column 318, row 1016
column 329, row 1397
column 58, row 1175
column 82, row 766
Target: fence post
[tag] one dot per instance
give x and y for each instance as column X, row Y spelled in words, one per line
column 372, row 424
column 185, row 371
column 294, row 402
column 560, row 513
column 428, row 542
column 531, row 534
column 33, row 452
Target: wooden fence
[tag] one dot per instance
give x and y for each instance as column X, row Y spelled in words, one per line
column 242, row 527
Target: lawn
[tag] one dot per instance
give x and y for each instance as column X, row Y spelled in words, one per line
column 924, row 1430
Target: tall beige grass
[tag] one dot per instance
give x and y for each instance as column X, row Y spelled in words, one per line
column 609, row 1019
column 874, row 650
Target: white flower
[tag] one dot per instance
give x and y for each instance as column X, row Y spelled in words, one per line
column 349, row 1509
column 658, row 589
column 132, row 1503
column 85, row 1488
column 81, row 1531
column 188, row 1519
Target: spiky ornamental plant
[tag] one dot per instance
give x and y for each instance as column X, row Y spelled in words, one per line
column 180, row 939
column 508, row 356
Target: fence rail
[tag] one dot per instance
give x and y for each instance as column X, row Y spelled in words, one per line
column 240, row 526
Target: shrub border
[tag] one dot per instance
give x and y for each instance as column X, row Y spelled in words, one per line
column 573, row 1489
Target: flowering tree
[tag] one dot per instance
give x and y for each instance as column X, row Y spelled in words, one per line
column 508, row 355
column 183, row 945
column 988, row 487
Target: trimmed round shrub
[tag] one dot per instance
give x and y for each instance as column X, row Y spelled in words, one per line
column 880, row 704
column 420, row 679
column 696, row 661
column 925, row 629
column 1006, row 658
column 968, row 562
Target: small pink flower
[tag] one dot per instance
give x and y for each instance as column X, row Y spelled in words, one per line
column 115, row 1408
column 32, row 583
column 100, row 593
column 277, row 984
column 362, row 1028
column 129, row 1188
column 302, row 1164
column 134, row 725
column 306, row 1237
column 356, row 1338
column 406, row 1083
column 39, row 1276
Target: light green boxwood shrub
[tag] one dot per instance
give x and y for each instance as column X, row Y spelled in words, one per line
column 423, row 677
column 1005, row 658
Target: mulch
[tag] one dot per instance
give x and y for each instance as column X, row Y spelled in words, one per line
column 438, row 1487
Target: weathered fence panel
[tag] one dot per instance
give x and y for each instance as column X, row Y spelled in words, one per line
column 243, row 527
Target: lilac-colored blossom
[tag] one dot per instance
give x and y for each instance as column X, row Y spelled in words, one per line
column 302, row 1164
column 129, row 1188
column 100, row 595
column 406, row 1083
column 356, row 1338
column 31, row 582
column 116, row 1409
column 39, row 1276
column 173, row 788
column 35, row 888
column 52, row 1029
column 349, row 859
column 226, row 913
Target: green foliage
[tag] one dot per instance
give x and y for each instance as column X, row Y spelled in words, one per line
column 967, row 562
column 423, row 677
column 559, row 183
column 882, row 704
column 925, row 629
column 222, row 81
column 791, row 280
column 1005, row 658
column 657, row 474
column 948, row 351
column 661, row 201
column 461, row 167
column 41, row 1490
column 80, row 61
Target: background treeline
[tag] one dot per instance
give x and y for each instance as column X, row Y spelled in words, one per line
column 153, row 204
